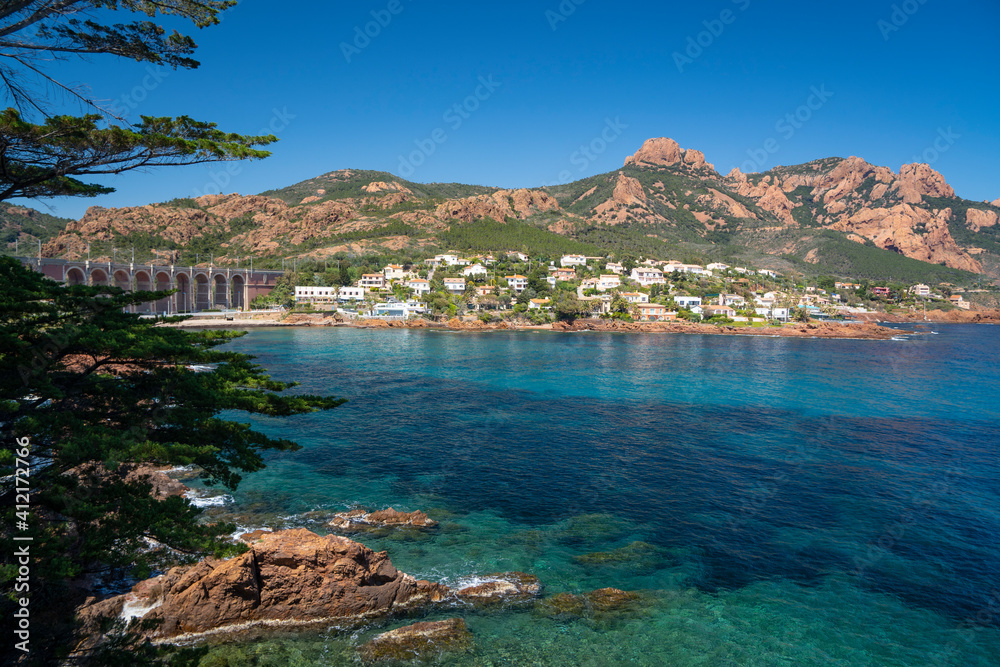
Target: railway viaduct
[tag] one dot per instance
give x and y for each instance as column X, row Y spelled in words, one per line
column 198, row 287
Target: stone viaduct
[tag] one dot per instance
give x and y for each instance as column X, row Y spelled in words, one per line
column 198, row 287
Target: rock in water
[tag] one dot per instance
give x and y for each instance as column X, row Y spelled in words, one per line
column 359, row 520
column 419, row 640
column 291, row 577
column 502, row 588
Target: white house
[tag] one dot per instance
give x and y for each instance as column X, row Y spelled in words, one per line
column 352, row 293
column 517, row 283
column 732, row 300
column 573, row 260
column 372, row 281
column 647, row 276
column 475, row 270
column 717, row 266
column 399, row 309
column 315, row 295
column 614, row 267
column 539, row 304
column 769, row 273
column 521, row 257
column 782, row 314
column 607, row 282
column 636, row 297
column 687, row 301
column 454, row 285
column 420, row 286
column 920, row 290
column 393, row 272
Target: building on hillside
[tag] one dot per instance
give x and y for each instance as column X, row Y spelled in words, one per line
column 455, row 285
column 881, row 291
column 573, row 260
column 687, row 301
column 476, row 270
column 769, row 273
column 609, row 282
column 647, row 276
column 590, row 283
column 315, row 296
column 717, row 266
column 486, row 290
column 420, row 286
column 352, row 294
column 734, row 300
column 394, row 272
column 652, row 312
column 635, row 297
column 372, row 281
column 712, row 311
column 614, row 267
column 959, row 301
column 519, row 256
column 540, row 304
column 920, row 290
column 846, row 285
column 517, row 283
column 563, row 274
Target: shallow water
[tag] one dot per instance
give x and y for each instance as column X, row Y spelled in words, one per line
column 787, row 502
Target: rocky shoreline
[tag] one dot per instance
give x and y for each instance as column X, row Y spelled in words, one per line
column 867, row 330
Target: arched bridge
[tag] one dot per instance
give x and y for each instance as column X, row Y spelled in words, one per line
column 198, row 287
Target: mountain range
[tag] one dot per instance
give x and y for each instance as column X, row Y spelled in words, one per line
column 832, row 216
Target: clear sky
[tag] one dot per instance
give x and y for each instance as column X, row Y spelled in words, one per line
column 890, row 81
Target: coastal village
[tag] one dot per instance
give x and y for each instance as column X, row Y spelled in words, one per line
column 513, row 284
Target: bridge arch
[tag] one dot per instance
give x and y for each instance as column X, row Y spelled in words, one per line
column 122, row 280
column 76, row 276
column 184, row 294
column 203, row 292
column 238, row 289
column 99, row 277
column 167, row 304
column 220, row 293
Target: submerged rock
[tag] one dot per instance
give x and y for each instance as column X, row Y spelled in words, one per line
column 595, row 603
column 638, row 555
column 593, row 528
column 361, row 521
column 420, row 640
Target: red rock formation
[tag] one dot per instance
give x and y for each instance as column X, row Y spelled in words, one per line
column 976, row 219
column 502, row 588
column 917, row 180
column 499, row 206
column 287, row 578
column 360, row 520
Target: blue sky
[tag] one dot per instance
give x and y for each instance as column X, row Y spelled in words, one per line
column 535, row 82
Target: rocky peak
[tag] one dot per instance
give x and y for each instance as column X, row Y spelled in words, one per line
column 664, row 152
column 660, row 151
column 917, row 180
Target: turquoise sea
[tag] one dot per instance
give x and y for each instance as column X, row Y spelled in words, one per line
column 775, row 501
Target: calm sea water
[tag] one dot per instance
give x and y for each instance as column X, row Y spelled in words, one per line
column 775, row 501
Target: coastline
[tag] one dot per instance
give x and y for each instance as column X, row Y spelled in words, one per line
column 862, row 330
